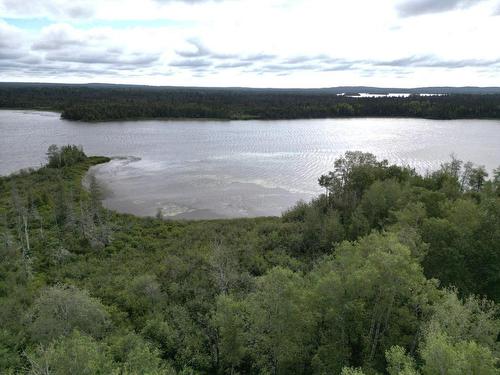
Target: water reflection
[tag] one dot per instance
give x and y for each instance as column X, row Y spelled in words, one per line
column 198, row 169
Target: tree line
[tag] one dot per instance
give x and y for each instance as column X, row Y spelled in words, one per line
column 101, row 103
column 387, row 272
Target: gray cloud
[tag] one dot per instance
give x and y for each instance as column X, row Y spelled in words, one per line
column 237, row 64
column 79, row 11
column 191, row 63
column 11, row 44
column 200, row 50
column 406, row 61
column 339, row 67
column 103, row 57
column 284, row 67
column 56, row 39
column 410, row 8
column 30, row 59
column 76, row 9
column 303, row 59
column 328, row 64
column 61, row 43
column 320, row 63
column 64, row 51
column 317, row 63
column 8, row 55
column 9, row 36
column 259, row 57
column 430, row 61
column 5, row 42
column 266, row 63
column 497, row 11
column 188, row 1
column 202, row 57
column 368, row 73
column 297, row 60
column 44, row 68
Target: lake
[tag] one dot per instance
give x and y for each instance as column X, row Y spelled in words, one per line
column 217, row 169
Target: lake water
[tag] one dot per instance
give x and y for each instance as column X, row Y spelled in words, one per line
column 216, row 169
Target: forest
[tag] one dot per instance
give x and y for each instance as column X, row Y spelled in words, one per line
column 387, row 272
column 124, row 102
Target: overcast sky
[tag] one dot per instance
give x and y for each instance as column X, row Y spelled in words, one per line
column 256, row 43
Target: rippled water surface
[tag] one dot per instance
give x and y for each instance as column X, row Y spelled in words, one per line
column 210, row 169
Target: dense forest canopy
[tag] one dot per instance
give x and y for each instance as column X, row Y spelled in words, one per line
column 115, row 102
column 387, row 272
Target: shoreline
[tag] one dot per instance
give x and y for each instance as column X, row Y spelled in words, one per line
column 226, row 119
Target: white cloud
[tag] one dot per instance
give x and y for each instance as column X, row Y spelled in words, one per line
column 296, row 43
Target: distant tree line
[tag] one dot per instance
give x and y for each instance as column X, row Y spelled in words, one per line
column 101, row 103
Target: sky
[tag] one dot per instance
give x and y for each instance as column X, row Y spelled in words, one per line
column 252, row 43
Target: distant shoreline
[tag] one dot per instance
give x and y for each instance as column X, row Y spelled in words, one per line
column 97, row 103
column 135, row 119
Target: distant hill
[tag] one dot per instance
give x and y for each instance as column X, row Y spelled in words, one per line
column 471, row 90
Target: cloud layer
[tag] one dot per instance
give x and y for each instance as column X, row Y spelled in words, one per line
column 295, row 43
column 410, row 8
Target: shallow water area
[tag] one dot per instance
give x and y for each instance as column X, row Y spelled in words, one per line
column 221, row 169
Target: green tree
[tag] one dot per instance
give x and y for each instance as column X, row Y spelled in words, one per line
column 439, row 356
column 461, row 337
column 442, row 357
column 369, row 296
column 352, row 371
column 134, row 355
column 279, row 326
column 229, row 321
column 143, row 296
column 478, row 178
column 445, row 245
column 496, row 180
column 380, row 198
column 65, row 156
column 75, row 354
column 399, row 362
column 471, row 319
column 61, row 309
